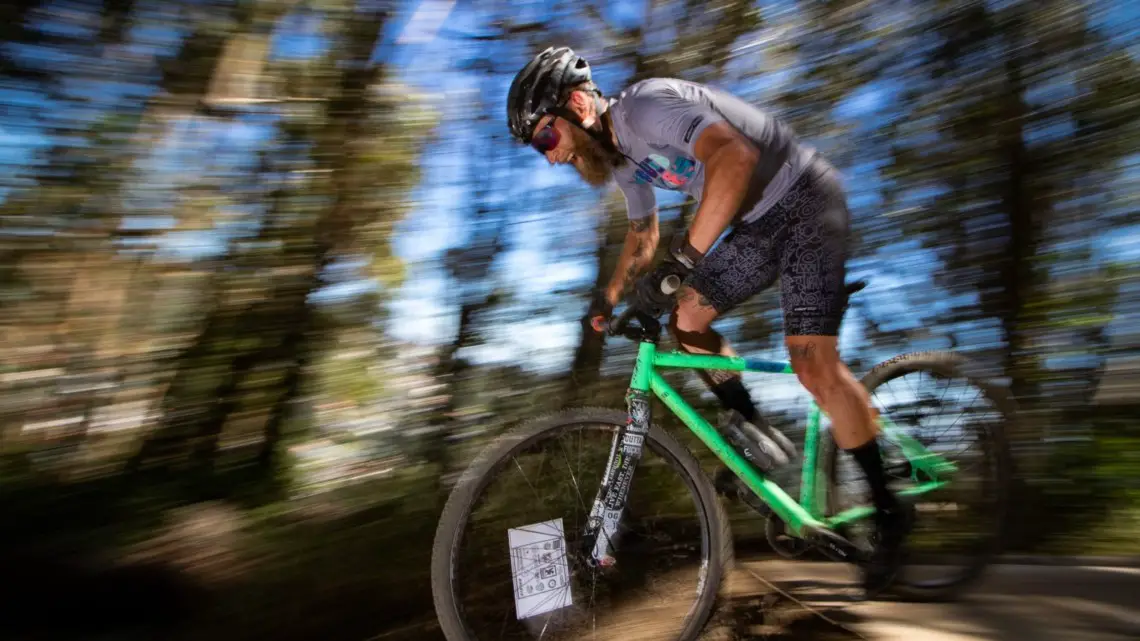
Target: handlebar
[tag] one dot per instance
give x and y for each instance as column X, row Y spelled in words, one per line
column 648, row 323
column 618, row 324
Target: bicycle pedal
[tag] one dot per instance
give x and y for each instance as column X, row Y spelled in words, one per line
column 783, row 543
column 832, row 545
column 753, row 501
column 725, row 483
column 728, row 485
column 901, row 469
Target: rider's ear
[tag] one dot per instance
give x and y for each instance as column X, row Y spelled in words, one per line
column 581, row 102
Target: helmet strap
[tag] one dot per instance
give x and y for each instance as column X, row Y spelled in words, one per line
column 604, row 137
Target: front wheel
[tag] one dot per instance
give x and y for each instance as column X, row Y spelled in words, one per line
column 960, row 527
column 507, row 561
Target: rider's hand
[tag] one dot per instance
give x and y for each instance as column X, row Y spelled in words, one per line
column 652, row 295
column 599, row 313
column 649, row 295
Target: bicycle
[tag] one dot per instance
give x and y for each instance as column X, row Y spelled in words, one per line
column 547, row 592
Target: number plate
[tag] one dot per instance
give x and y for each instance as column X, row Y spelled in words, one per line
column 538, row 564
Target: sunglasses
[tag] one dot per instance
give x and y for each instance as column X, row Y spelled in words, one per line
column 547, row 138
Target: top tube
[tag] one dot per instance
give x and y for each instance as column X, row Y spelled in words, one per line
column 709, row 361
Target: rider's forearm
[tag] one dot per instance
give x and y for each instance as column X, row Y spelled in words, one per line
column 636, row 255
column 727, row 175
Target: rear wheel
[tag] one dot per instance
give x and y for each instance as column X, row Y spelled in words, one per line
column 960, row 527
column 674, row 548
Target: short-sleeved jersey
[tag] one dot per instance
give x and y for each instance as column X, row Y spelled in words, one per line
column 657, row 123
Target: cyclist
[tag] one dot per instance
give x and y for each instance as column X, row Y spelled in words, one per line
column 786, row 213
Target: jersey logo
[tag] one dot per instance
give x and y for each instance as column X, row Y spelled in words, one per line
column 693, row 127
column 657, row 170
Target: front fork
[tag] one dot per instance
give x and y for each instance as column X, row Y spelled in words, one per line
column 625, row 451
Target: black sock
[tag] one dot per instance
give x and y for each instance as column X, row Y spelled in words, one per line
column 734, row 395
column 869, row 458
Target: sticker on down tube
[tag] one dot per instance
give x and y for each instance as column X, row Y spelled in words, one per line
column 538, row 564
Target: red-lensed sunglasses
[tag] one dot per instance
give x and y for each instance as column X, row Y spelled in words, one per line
column 547, row 138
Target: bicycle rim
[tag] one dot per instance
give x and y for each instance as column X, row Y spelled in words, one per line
column 960, row 526
column 668, row 569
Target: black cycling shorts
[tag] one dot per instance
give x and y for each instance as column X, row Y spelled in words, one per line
column 803, row 240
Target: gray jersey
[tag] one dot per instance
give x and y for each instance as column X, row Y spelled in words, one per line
column 658, row 121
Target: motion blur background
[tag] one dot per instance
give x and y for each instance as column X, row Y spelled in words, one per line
column 271, row 269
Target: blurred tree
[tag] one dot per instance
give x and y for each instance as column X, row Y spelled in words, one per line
column 998, row 128
column 363, row 141
column 200, row 237
column 987, row 111
column 474, row 288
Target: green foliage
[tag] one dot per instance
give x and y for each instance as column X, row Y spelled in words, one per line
column 203, row 267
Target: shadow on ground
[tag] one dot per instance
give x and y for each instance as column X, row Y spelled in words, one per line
column 66, row 600
column 333, row 570
column 1011, row 603
column 774, row 618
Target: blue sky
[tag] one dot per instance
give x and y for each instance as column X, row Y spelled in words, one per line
column 433, row 321
column 420, row 46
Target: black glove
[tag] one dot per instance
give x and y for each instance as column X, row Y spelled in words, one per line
column 654, row 293
column 599, row 312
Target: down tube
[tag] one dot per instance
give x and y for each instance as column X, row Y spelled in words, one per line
column 783, row 505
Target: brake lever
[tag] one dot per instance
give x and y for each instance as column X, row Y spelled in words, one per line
column 617, row 325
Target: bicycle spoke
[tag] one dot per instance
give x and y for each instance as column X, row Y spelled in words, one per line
column 529, row 484
column 557, row 480
column 573, row 477
column 952, row 416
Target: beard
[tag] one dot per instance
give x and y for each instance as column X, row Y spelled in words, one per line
column 594, row 163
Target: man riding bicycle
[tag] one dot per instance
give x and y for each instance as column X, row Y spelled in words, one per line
column 788, row 216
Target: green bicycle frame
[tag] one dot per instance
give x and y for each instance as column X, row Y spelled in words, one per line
column 809, row 511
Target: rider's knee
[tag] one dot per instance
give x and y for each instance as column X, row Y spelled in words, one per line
column 818, row 372
column 814, row 382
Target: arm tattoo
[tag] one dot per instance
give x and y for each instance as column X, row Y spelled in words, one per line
column 637, row 253
column 638, row 259
column 632, row 269
column 688, row 295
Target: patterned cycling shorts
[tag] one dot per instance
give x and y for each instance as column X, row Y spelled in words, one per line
column 803, row 241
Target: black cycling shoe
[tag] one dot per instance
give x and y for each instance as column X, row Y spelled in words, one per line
column 891, row 530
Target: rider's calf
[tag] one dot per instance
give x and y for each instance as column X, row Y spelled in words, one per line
column 816, row 362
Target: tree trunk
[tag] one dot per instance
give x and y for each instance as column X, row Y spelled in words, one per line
column 347, row 117
column 1018, row 275
column 585, row 369
column 450, row 369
